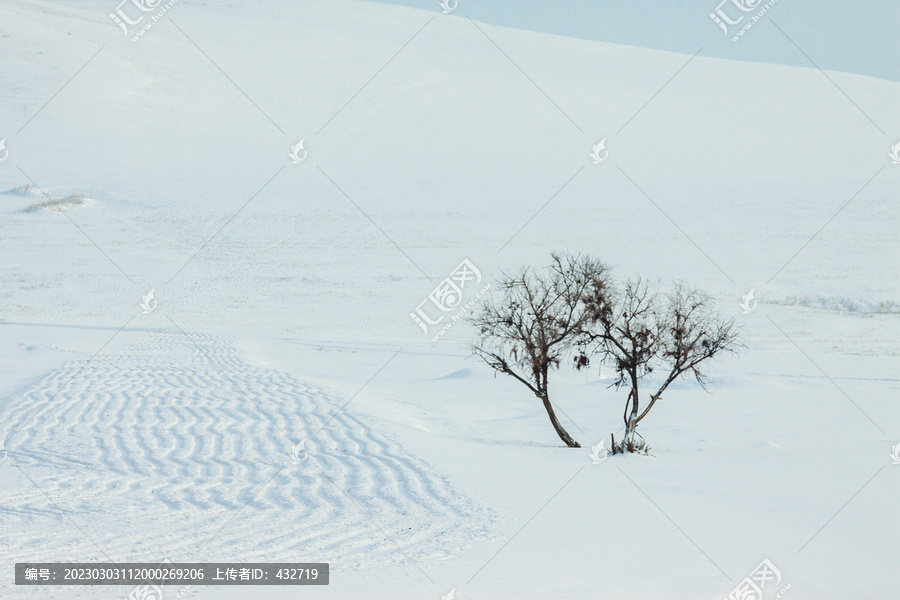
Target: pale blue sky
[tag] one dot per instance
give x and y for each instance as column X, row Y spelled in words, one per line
column 856, row 37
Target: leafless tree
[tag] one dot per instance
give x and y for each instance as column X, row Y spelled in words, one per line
column 529, row 330
column 636, row 329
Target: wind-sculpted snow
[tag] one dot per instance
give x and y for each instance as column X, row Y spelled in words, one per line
column 168, row 434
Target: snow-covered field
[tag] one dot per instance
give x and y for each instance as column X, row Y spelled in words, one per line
column 282, row 296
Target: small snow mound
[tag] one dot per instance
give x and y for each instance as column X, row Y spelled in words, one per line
column 23, row 191
column 65, row 204
column 458, row 374
column 842, row 304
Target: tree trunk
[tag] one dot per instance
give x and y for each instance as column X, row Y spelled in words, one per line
column 544, row 395
column 628, row 439
column 631, row 419
column 560, row 430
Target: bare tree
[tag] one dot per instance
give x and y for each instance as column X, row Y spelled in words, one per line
column 636, row 330
column 537, row 320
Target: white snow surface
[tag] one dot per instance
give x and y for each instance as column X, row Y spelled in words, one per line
column 284, row 293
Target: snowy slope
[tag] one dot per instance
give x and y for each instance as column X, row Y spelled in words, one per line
column 284, row 292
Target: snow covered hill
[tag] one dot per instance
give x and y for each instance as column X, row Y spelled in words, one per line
column 283, row 277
